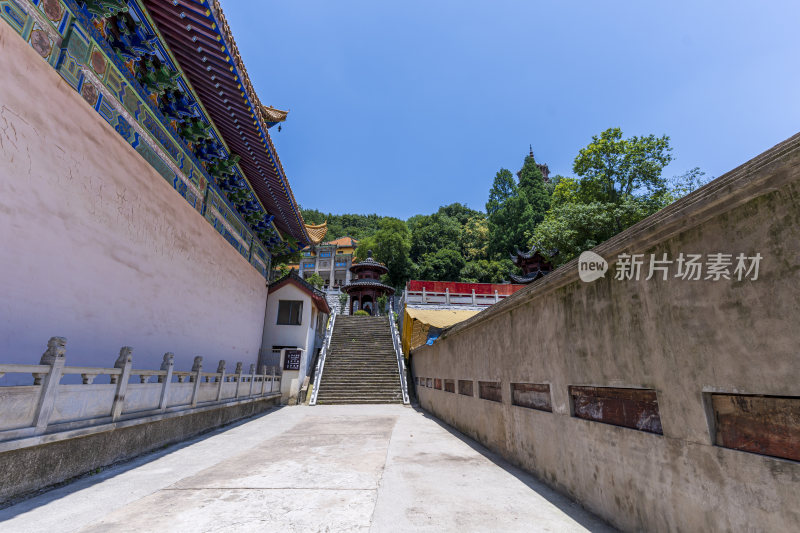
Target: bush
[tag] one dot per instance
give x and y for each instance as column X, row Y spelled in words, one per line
column 361, row 312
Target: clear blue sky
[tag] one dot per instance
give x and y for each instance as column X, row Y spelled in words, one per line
column 398, row 107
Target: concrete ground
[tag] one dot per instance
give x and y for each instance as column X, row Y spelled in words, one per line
column 378, row 468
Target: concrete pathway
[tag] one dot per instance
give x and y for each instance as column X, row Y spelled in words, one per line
column 376, row 468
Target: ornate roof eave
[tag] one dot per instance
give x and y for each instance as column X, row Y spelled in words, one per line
column 369, row 264
column 293, row 277
column 523, row 280
column 200, row 39
column 367, row 283
column 317, row 232
column 532, row 252
column 272, row 116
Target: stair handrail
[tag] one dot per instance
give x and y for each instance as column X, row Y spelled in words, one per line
column 321, row 360
column 398, row 351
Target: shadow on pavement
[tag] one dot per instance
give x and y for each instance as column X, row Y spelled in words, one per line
column 572, row 508
column 33, row 500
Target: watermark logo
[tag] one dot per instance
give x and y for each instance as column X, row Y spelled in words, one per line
column 591, row 266
column 689, row 267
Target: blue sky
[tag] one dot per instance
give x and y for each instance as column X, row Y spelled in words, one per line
column 400, row 107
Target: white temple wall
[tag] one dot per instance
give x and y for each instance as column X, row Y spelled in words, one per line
column 97, row 247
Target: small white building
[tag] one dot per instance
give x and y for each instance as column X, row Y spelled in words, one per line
column 294, row 326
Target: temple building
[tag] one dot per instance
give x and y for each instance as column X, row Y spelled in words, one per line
column 365, row 290
column 297, row 313
column 331, row 260
column 151, row 199
column 534, row 264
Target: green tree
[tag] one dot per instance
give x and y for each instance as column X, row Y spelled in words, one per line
column 613, row 169
column 458, row 211
column 390, row 245
column 619, row 184
column 442, row 265
column 316, row 280
column 516, row 208
column 687, row 182
column 434, row 232
column 486, row 271
column 475, row 238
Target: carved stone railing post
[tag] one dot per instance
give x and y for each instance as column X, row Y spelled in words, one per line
column 124, row 362
column 238, row 378
column 55, row 357
column 167, row 364
column 220, row 378
column 252, row 378
column 197, row 367
column 263, row 378
column 272, row 380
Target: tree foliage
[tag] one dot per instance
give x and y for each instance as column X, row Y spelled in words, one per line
column 515, row 208
column 390, row 245
column 618, row 181
column 316, row 280
column 613, row 169
column 441, row 265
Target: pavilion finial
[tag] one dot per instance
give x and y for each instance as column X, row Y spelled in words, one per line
column 531, row 147
column 369, row 254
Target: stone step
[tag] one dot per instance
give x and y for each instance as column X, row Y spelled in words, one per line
column 357, row 394
column 361, row 365
column 361, row 382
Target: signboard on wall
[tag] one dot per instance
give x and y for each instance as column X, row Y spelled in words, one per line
column 292, row 360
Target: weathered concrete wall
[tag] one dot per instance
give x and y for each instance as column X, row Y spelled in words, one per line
column 97, row 247
column 35, row 467
column 684, row 339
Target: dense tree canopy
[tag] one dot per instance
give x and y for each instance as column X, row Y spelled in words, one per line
column 618, row 182
column 515, row 208
column 390, row 245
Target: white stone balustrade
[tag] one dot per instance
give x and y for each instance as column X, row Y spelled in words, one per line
column 48, row 406
column 447, row 298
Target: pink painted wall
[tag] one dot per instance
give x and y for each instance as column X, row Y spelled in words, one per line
column 97, row 247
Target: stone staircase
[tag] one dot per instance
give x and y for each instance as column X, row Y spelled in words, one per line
column 361, row 366
column 332, row 297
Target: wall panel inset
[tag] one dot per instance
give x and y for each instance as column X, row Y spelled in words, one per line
column 630, row 408
column 490, row 390
column 531, row 395
column 465, row 387
column 769, row 425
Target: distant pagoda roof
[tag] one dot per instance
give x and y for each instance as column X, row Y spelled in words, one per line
column 523, row 280
column 367, row 283
column 534, row 263
column 545, row 254
column 369, row 264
